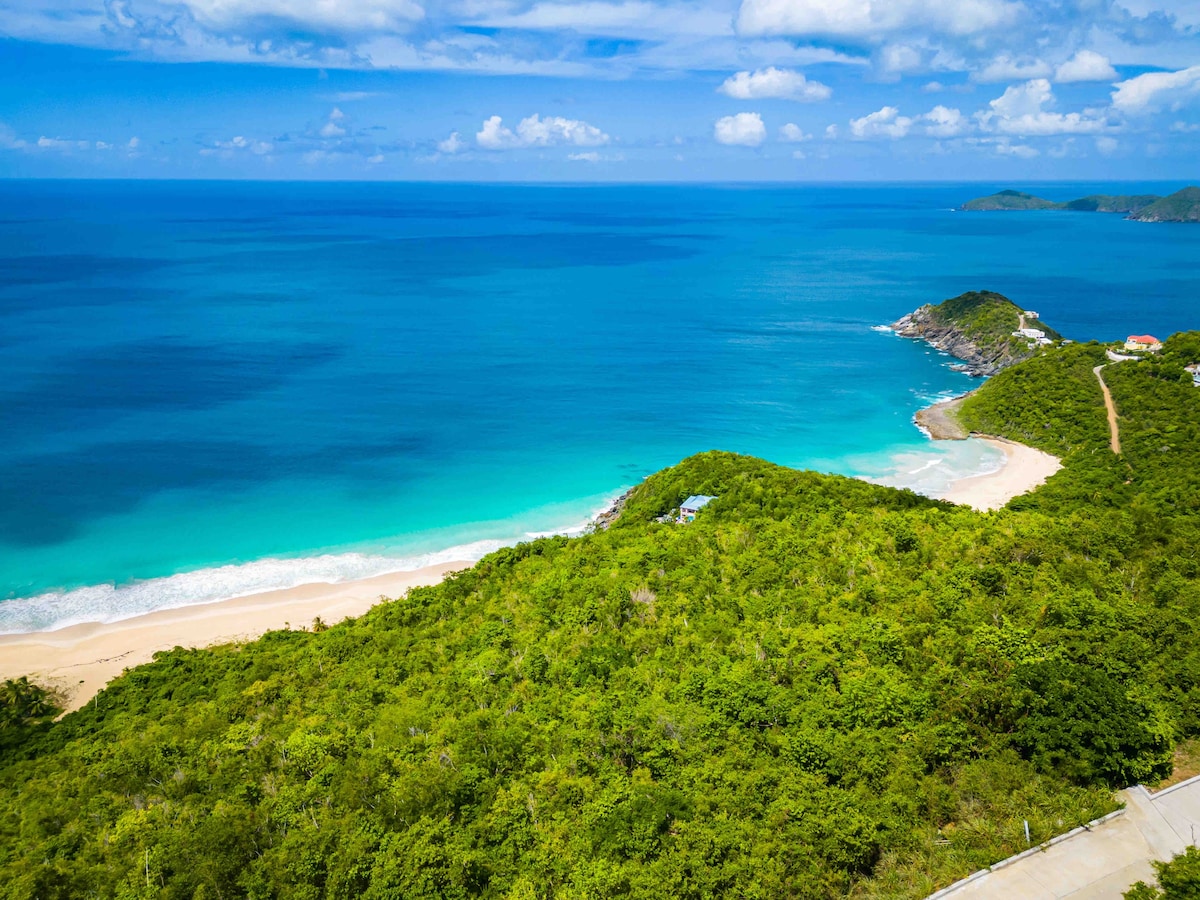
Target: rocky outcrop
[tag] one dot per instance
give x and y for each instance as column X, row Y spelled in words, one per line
column 610, row 515
column 951, row 338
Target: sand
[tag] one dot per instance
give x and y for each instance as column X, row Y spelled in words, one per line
column 79, row 660
column 1024, row 469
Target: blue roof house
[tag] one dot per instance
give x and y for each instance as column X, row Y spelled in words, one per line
column 692, row 505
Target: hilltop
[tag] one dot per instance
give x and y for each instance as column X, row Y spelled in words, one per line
column 1182, row 206
column 979, row 328
column 820, row 688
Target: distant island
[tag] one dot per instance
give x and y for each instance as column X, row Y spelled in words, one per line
column 986, row 330
column 1182, row 206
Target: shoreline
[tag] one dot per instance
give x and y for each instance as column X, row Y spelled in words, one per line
column 1024, row 469
column 77, row 661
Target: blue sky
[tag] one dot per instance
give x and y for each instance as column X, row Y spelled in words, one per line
column 623, row 90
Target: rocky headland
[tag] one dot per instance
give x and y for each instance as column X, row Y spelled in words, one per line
column 979, row 328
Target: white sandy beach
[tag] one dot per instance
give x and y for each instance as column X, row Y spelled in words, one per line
column 80, row 659
column 1024, row 469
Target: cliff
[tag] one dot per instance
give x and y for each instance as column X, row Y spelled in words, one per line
column 976, row 327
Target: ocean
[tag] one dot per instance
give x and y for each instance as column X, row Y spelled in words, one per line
column 209, row 389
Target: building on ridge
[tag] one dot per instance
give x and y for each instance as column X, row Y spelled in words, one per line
column 1143, row 343
column 692, row 505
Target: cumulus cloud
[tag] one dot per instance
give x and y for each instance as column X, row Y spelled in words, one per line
column 886, row 122
column 1107, row 145
column 535, row 131
column 452, row 144
column 1086, row 65
column 943, row 122
column 1023, row 110
column 874, row 18
column 939, row 122
column 238, row 144
column 743, row 129
column 1155, row 90
column 793, row 134
column 782, row 84
column 1021, row 151
column 1005, row 68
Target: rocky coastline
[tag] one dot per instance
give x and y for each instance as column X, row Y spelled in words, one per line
column 978, row 361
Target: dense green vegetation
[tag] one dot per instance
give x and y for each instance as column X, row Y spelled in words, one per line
column 1182, row 206
column 1010, row 200
column 987, row 320
column 819, row 688
column 1119, row 203
column 1178, row 879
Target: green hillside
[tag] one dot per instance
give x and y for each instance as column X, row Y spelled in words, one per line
column 1011, row 200
column 1182, row 206
column 820, row 688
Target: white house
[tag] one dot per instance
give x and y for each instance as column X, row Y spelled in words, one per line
column 1030, row 314
column 1034, row 334
column 692, row 505
column 1194, row 371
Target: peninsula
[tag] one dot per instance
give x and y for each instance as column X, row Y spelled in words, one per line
column 1182, row 206
column 986, row 330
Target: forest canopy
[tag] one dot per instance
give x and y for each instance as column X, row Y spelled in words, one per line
column 819, row 688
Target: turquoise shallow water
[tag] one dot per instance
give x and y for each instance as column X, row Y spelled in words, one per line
column 211, row 389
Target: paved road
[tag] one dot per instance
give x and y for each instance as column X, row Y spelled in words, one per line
column 1100, row 863
column 1113, row 430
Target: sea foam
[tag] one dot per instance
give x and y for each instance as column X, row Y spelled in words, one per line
column 106, row 603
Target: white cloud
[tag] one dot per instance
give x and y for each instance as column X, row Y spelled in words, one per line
column 900, row 58
column 48, row 143
column 743, row 129
column 331, row 130
column 944, row 122
column 874, row 18
column 793, row 134
column 133, row 143
column 799, row 154
column 1021, row 110
column 237, row 144
column 1185, row 127
column 342, row 15
column 1021, row 151
column 1152, row 91
column 933, row 87
column 452, row 144
column 1107, row 145
column 886, row 122
column 1086, row 65
column 535, row 131
column 376, row 159
column 590, row 156
column 1005, row 68
column 783, row 84
column 624, row 18
column 831, row 132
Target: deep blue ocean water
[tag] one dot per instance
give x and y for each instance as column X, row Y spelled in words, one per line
column 254, row 385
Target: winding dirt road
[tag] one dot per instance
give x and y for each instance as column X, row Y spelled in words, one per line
column 1113, row 429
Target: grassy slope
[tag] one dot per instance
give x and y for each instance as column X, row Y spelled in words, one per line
column 820, row 687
